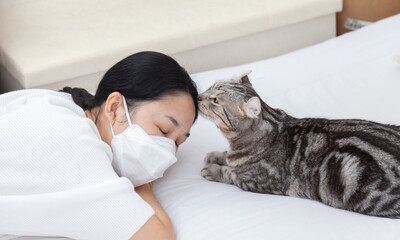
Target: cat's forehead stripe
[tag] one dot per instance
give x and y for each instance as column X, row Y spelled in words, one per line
column 231, row 88
column 228, row 85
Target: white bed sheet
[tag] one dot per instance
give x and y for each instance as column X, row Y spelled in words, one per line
column 352, row 76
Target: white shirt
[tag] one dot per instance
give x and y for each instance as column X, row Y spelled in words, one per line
column 56, row 177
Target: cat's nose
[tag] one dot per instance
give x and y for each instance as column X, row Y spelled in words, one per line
column 199, row 98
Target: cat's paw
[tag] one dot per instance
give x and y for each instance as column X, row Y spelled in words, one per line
column 216, row 157
column 212, row 172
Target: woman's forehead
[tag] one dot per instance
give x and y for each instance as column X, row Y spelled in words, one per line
column 177, row 108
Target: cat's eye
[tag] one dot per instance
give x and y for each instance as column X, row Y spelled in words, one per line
column 214, row 100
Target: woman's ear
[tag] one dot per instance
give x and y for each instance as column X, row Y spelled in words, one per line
column 113, row 105
column 252, row 107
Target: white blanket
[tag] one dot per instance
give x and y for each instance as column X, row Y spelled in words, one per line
column 352, row 76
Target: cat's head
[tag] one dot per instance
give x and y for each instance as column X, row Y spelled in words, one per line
column 233, row 105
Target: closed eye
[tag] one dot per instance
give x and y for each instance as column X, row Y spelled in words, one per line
column 214, row 100
column 163, row 132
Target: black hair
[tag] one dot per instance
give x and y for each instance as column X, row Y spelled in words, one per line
column 140, row 77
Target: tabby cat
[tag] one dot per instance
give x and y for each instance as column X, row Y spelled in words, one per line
column 348, row 164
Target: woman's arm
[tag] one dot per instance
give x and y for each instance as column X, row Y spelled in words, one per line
column 159, row 226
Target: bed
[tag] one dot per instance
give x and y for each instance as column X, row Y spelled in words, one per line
column 355, row 75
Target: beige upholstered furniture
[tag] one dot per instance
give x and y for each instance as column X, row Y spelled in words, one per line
column 54, row 43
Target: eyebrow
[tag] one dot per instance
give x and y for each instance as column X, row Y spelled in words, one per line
column 176, row 124
column 173, row 120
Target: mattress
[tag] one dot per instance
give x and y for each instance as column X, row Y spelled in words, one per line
column 352, row 76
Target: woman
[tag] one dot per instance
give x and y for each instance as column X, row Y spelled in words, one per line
column 79, row 167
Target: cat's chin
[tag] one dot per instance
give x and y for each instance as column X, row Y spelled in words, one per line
column 204, row 115
column 227, row 131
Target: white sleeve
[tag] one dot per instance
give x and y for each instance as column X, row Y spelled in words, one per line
column 108, row 210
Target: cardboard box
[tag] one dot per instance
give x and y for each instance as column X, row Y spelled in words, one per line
column 358, row 13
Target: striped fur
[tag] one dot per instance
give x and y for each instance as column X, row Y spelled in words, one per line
column 348, row 164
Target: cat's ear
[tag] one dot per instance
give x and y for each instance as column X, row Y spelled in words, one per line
column 253, row 107
column 243, row 78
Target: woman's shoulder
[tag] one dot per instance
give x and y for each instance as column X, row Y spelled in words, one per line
column 40, row 97
column 57, row 139
column 42, row 110
column 45, row 110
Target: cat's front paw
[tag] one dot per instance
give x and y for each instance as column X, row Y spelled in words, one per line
column 212, row 172
column 216, row 157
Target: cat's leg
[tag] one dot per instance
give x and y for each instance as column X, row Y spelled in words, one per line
column 218, row 173
column 226, row 174
column 216, row 157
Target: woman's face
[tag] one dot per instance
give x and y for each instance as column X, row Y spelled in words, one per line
column 172, row 117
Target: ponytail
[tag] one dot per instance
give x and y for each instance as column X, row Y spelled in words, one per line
column 81, row 97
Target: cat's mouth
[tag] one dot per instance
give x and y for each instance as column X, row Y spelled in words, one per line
column 220, row 122
column 203, row 110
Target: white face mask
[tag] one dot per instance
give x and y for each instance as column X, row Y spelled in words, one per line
column 140, row 157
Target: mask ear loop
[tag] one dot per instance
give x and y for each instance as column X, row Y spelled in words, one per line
column 126, row 111
column 112, row 130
